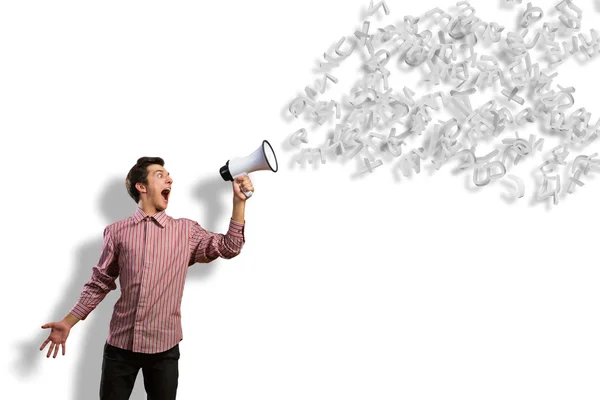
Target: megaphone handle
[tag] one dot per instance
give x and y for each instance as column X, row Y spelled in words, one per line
column 248, row 193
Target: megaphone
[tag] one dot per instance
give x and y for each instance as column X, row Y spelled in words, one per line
column 262, row 159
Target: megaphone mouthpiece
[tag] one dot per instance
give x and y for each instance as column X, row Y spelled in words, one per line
column 224, row 171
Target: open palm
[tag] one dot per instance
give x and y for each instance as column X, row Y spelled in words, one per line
column 58, row 337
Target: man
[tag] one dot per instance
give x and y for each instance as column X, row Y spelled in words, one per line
column 149, row 252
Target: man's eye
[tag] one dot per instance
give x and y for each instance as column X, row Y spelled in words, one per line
column 160, row 175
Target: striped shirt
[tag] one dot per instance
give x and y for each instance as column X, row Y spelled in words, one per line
column 150, row 256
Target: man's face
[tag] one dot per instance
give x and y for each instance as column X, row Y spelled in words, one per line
column 158, row 190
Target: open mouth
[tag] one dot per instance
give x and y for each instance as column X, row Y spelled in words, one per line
column 165, row 194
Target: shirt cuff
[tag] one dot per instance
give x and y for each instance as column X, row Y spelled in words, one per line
column 236, row 229
column 80, row 311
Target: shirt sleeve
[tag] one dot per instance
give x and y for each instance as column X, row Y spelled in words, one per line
column 102, row 281
column 206, row 246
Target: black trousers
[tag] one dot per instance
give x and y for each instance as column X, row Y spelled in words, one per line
column 120, row 368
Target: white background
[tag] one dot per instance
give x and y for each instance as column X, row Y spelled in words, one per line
column 348, row 287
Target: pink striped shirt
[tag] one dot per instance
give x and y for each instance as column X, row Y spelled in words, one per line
column 150, row 256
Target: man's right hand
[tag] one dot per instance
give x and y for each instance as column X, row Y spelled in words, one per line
column 59, row 332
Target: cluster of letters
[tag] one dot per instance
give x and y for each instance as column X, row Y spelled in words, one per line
column 364, row 123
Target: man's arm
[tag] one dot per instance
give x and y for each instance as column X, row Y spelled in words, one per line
column 238, row 213
column 240, row 185
column 102, row 282
column 207, row 246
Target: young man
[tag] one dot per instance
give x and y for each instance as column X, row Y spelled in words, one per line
column 149, row 252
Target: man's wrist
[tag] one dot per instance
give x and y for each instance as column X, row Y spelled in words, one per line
column 237, row 200
column 70, row 320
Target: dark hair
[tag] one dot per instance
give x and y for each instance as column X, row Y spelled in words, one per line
column 139, row 174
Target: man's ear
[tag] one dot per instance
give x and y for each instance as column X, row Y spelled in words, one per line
column 141, row 187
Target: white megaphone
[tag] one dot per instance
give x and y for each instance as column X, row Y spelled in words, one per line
column 262, row 159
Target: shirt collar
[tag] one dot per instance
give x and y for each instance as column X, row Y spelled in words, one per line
column 160, row 217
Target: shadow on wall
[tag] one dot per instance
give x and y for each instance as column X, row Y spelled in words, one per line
column 114, row 204
column 211, row 193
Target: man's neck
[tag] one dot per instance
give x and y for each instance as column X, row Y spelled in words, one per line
column 148, row 209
